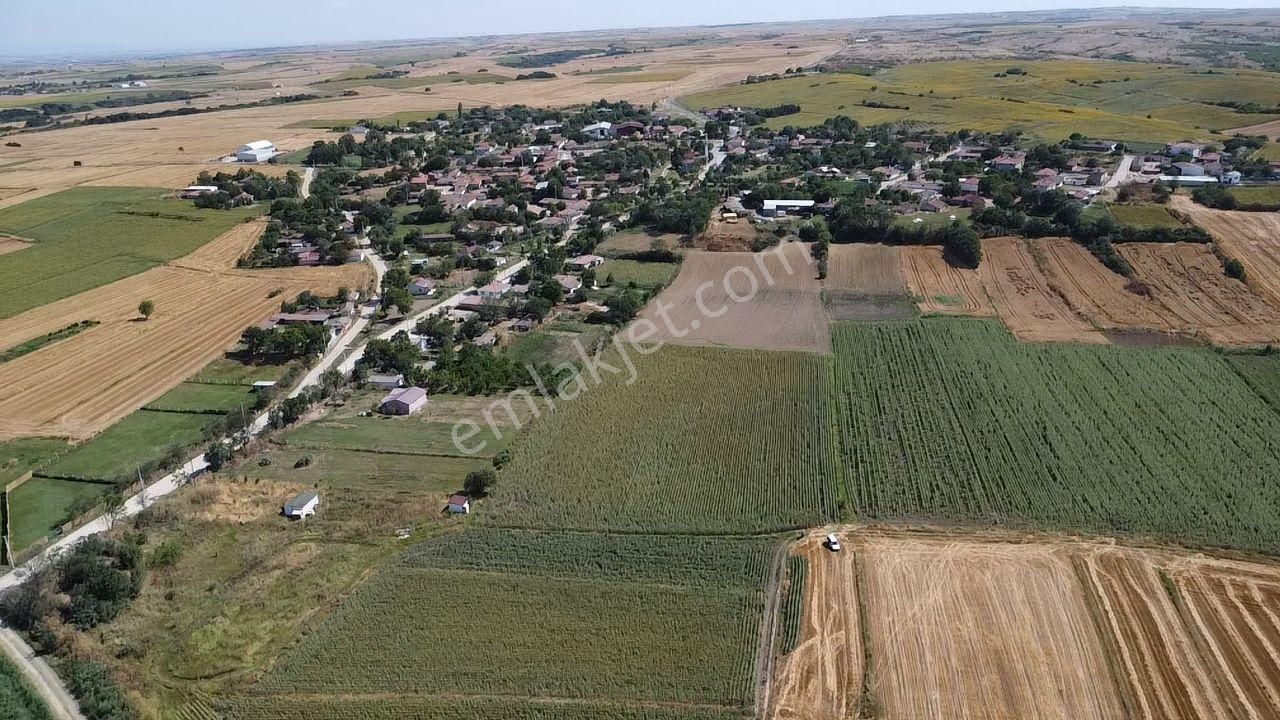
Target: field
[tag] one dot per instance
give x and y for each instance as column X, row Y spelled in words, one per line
column 192, row 397
column 1125, row 101
column 1096, row 293
column 749, row 457
column 769, row 301
column 144, row 436
column 1144, row 216
column 1023, row 298
column 866, row 270
column 643, row 274
column 952, row 419
column 557, row 343
column 16, row 696
column 1265, row 195
column 89, row 237
column 17, row 457
column 40, row 505
column 1262, row 372
column 941, row 289
column 1189, row 282
column 200, row 312
column 632, row 241
column 1042, row 628
column 1251, row 238
column 653, row 621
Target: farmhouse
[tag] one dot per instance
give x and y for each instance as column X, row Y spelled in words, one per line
column 403, row 401
column 302, row 506
column 422, row 287
column 256, row 151
column 1011, row 162
column 598, row 131
column 586, row 262
column 493, row 292
column 459, row 504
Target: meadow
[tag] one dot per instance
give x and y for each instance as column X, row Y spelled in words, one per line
column 750, row 456
column 643, row 274
column 88, row 237
column 41, row 504
column 1259, row 195
column 1144, row 216
column 635, row 620
column 194, row 397
column 1116, row 100
column 138, row 440
column 954, row 420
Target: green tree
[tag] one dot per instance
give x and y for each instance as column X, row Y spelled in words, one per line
column 146, row 308
column 478, row 482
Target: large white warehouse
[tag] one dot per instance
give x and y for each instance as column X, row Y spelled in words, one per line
column 256, row 151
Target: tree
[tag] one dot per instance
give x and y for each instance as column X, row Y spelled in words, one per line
column 146, row 308
column 961, row 246
column 478, row 482
column 217, row 455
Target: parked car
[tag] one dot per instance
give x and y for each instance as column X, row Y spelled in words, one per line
column 833, row 543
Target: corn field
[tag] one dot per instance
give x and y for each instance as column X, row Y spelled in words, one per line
column 953, row 419
column 547, row 615
column 705, row 441
column 258, row 708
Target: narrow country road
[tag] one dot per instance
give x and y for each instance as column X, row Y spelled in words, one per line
column 1122, row 172
column 39, row 676
column 307, row 177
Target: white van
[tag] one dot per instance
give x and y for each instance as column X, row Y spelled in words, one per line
column 833, row 543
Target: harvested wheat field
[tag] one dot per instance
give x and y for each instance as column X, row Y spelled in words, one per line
column 821, row 679
column 1188, row 280
column 982, row 630
column 1093, row 291
column 869, row 270
column 942, row 289
column 1253, row 238
column 199, row 314
column 1023, row 298
column 770, row 301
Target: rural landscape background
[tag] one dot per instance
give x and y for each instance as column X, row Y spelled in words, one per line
column 903, row 368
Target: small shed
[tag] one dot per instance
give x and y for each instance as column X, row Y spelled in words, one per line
column 459, row 504
column 386, row 382
column 302, row 506
column 403, row 401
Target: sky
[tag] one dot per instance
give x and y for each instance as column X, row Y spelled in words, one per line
column 73, row 27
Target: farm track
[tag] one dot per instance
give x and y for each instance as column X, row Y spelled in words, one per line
column 200, row 311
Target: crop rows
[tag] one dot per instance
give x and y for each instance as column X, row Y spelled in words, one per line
column 953, row 419
column 428, row 708
column 584, row 617
column 704, row 441
column 793, row 603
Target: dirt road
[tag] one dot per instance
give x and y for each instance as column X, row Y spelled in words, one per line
column 40, row 677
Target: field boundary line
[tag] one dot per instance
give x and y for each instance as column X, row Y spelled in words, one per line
column 1080, row 565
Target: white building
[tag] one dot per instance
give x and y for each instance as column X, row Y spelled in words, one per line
column 459, row 504
column 302, row 506
column 256, row 151
column 773, row 208
column 599, row 131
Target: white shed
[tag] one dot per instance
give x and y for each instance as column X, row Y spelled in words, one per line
column 256, row 151
column 303, row 505
column 459, row 504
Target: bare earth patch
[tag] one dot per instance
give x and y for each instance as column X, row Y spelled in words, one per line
column 780, row 308
column 868, row 270
column 10, row 244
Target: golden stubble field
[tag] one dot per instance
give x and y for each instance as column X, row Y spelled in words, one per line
column 907, row 625
column 80, row 386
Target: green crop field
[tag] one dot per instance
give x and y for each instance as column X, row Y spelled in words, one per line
column 194, row 397
column 92, row 236
column 953, row 419
column 40, row 505
column 633, row 620
column 750, row 455
column 429, row 708
column 1144, row 216
column 1115, row 100
column 1262, row 372
column 138, row 440
column 17, row 698
column 792, row 611
column 643, row 274
column 1261, row 195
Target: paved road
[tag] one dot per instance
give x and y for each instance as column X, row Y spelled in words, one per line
column 39, row 676
column 1122, row 172
column 718, row 156
column 307, row 177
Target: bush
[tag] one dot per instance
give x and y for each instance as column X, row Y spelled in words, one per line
column 96, row 691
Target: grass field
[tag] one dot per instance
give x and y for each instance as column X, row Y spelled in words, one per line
column 556, row 343
column 1144, row 216
column 1262, row 195
column 87, row 237
column 17, row 698
column 138, row 440
column 749, row 456
column 1270, row 151
column 634, row 620
column 40, row 505
column 643, row 274
column 18, row 457
column 229, row 371
column 1123, row 101
column 190, row 397
column 952, row 419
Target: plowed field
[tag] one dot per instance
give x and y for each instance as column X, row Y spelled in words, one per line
column 1023, row 298
column 869, row 270
column 942, row 289
column 79, row 386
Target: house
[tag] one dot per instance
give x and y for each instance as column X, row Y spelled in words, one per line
column 570, row 283
column 493, row 292
column 1186, row 169
column 256, row 151
column 302, row 506
column 459, row 504
column 524, row 325
column 422, row 287
column 599, row 131
column 1009, row 162
column 586, row 262
column 1192, row 150
column 970, row 186
column 776, row 208
column 386, row 382
column 1232, row 177
column 403, row 401
column 627, row 129
column 487, row 340
column 1106, row 146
